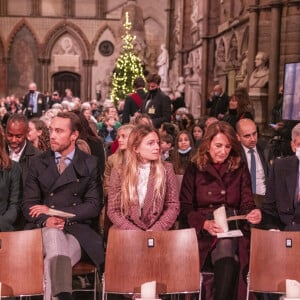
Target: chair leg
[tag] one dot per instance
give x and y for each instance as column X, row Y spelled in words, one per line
column 95, row 284
column 103, row 288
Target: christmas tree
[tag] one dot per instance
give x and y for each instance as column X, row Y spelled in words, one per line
column 128, row 66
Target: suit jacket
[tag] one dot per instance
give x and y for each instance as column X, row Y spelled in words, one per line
column 130, row 106
column 281, row 208
column 28, row 153
column 158, row 109
column 157, row 214
column 77, row 190
column 10, row 196
column 263, row 155
column 41, row 106
column 218, row 105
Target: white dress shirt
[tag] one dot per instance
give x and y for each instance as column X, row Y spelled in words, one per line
column 260, row 174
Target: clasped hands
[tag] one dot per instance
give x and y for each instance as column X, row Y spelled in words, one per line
column 54, row 222
column 253, row 217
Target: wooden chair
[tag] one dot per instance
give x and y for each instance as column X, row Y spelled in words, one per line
column 171, row 258
column 274, row 257
column 21, row 263
column 83, row 269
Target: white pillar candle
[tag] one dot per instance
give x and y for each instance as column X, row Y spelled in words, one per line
column 148, row 290
column 292, row 288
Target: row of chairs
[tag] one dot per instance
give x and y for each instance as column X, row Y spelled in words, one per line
column 22, row 266
column 134, row 257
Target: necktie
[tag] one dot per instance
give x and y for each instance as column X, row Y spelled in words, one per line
column 31, row 101
column 62, row 164
column 253, row 170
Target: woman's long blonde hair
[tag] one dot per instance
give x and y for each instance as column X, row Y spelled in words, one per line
column 119, row 154
column 129, row 184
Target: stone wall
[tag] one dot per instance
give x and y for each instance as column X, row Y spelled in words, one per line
column 40, row 38
column 228, row 36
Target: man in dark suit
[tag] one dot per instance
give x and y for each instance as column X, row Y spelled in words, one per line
column 281, row 208
column 133, row 102
column 217, row 102
column 55, row 98
column 157, row 105
column 68, row 180
column 19, row 148
column 252, row 147
column 34, row 102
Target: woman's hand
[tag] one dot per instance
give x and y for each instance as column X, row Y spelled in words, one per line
column 36, row 210
column 254, row 216
column 212, row 227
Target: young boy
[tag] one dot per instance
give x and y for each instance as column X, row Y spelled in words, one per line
column 166, row 146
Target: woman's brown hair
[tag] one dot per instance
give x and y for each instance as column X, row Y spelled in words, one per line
column 5, row 162
column 202, row 157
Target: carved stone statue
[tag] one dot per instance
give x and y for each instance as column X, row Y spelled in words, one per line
column 66, row 47
column 220, row 59
column 243, row 73
column 260, row 76
column 163, row 65
column 195, row 13
column 181, row 85
column 233, row 52
column 98, row 90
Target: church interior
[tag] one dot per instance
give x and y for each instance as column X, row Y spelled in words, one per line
column 75, row 44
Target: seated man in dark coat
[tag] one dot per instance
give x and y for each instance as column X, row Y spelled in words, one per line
column 68, row 180
column 281, row 208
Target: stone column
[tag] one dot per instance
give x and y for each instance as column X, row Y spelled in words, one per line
column 168, row 11
column 69, row 8
column 5, row 72
column 46, row 84
column 274, row 56
column 205, row 53
column 259, row 99
column 3, row 75
column 3, row 7
column 253, row 35
column 87, row 88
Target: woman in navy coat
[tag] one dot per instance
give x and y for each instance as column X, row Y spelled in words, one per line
column 217, row 177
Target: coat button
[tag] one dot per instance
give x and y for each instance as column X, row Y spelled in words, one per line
column 75, row 194
column 74, row 204
column 223, row 192
column 210, row 206
column 209, row 193
column 52, row 206
column 52, row 194
column 77, row 180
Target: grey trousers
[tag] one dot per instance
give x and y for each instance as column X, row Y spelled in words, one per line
column 61, row 252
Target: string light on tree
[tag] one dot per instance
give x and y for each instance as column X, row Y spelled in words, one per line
column 128, row 65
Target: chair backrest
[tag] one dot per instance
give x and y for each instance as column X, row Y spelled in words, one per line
column 274, row 257
column 171, row 258
column 21, row 263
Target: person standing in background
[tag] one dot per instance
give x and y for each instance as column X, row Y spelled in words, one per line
column 133, row 102
column 157, row 105
column 34, row 104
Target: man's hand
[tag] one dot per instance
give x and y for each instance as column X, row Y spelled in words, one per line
column 36, row 210
column 254, row 216
column 55, row 222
